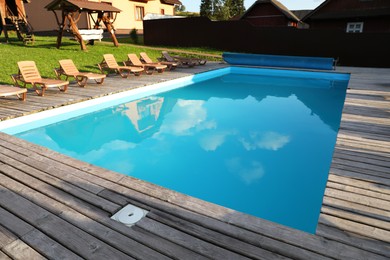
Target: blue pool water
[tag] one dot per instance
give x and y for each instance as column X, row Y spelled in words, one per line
column 248, row 140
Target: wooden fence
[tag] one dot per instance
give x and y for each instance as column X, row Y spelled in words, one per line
column 359, row 49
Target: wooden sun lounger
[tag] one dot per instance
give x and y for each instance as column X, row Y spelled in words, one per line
column 109, row 63
column 149, row 68
column 182, row 62
column 171, row 65
column 29, row 75
column 6, row 91
column 68, row 69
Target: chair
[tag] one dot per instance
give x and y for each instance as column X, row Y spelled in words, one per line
column 5, row 91
column 29, row 74
column 109, row 63
column 171, row 65
column 183, row 61
column 68, row 69
column 149, row 68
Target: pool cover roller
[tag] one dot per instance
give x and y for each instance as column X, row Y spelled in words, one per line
column 320, row 63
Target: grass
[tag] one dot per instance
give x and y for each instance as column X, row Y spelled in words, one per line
column 46, row 55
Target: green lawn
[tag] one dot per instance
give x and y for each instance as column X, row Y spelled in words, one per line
column 46, row 55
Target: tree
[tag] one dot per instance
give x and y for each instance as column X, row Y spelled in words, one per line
column 236, row 7
column 206, row 8
column 220, row 10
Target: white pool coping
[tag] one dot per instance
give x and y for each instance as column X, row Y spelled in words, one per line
column 24, row 123
column 50, row 116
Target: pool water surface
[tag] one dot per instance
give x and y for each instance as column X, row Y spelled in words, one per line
column 257, row 142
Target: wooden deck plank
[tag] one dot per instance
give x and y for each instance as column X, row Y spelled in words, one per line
column 6, row 237
column 212, row 237
column 359, row 157
column 360, row 191
column 48, row 247
column 372, row 245
column 57, row 182
column 267, row 243
column 100, row 231
column 19, row 250
column 282, row 246
column 355, row 227
column 382, row 227
column 188, row 241
column 27, row 236
column 358, row 183
column 89, row 225
column 3, row 256
column 80, row 242
column 357, row 209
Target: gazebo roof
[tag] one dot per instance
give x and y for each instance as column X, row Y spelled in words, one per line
column 172, row 2
column 84, row 5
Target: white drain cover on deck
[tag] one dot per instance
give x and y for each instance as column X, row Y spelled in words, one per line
column 129, row 215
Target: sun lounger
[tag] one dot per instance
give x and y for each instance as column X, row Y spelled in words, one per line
column 145, row 58
column 109, row 63
column 68, row 69
column 184, row 61
column 149, row 68
column 6, row 91
column 29, row 75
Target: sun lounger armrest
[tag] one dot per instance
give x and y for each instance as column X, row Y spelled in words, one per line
column 18, row 80
column 59, row 72
column 103, row 66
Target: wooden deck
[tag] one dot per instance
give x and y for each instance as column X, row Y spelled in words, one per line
column 56, row 207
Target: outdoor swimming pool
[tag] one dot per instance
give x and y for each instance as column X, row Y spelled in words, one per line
column 259, row 141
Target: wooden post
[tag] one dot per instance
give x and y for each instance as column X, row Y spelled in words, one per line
column 4, row 26
column 76, row 32
column 110, row 28
column 61, row 31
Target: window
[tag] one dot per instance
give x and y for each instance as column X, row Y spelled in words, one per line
column 139, row 13
column 355, row 27
column 162, row 11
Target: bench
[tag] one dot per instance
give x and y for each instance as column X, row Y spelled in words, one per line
column 91, row 34
column 320, row 63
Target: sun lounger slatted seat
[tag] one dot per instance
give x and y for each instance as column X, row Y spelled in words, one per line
column 149, row 68
column 145, row 58
column 182, row 62
column 29, row 75
column 109, row 63
column 68, row 69
column 6, row 91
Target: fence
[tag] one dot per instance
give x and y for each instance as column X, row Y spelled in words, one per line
column 351, row 49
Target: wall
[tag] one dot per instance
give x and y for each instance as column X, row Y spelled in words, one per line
column 369, row 49
column 125, row 20
column 380, row 24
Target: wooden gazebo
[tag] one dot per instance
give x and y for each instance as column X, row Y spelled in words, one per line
column 71, row 11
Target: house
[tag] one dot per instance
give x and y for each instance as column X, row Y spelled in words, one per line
column 352, row 16
column 271, row 13
column 130, row 17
